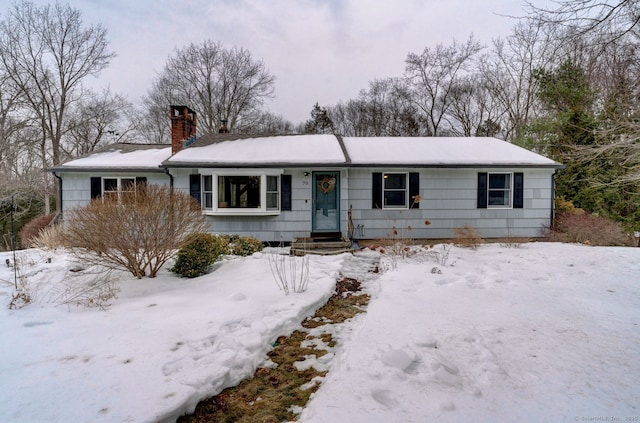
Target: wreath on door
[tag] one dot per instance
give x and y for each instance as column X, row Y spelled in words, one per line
column 327, row 184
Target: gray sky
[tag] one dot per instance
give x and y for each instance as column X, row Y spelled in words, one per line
column 319, row 51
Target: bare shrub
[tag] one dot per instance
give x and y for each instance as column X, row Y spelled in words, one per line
column 467, row 236
column 48, row 238
column 22, row 295
column 33, row 228
column 290, row 273
column 96, row 292
column 586, row 228
column 136, row 230
column 398, row 242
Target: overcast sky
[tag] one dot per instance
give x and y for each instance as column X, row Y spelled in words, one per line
column 319, row 50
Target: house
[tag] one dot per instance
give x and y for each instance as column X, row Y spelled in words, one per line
column 278, row 188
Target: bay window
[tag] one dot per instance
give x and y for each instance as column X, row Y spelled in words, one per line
column 238, row 192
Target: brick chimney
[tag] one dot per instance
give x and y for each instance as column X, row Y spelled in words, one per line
column 183, row 127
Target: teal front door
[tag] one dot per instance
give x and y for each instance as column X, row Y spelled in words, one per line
column 326, row 202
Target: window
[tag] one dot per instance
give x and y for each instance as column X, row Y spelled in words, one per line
column 114, row 185
column 207, row 191
column 229, row 192
column 393, row 190
column 239, row 192
column 272, row 193
column 500, row 190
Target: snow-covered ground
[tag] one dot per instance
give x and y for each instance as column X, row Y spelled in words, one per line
column 544, row 332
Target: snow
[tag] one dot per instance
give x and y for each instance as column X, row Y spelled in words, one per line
column 145, row 157
column 544, row 332
column 319, row 150
column 326, row 149
column 306, row 149
column 440, row 151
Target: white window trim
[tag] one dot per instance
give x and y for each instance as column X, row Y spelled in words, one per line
column 222, row 211
column 510, row 205
column 406, row 190
column 119, row 190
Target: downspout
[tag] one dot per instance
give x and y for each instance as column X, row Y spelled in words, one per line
column 553, row 198
column 166, row 170
column 59, row 202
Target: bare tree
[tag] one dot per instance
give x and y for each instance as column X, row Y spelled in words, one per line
column 12, row 120
column 217, row 83
column 98, row 119
column 507, row 69
column 473, row 112
column 612, row 20
column 47, row 53
column 434, row 73
column 384, row 109
column 268, row 123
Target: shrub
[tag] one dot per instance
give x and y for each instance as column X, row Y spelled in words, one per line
column 200, row 252
column 467, row 236
column 586, row 228
column 48, row 238
column 32, row 229
column 242, row 245
column 137, row 230
column 562, row 205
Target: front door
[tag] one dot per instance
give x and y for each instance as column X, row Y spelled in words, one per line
column 326, row 202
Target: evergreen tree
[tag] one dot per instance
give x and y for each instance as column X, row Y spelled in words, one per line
column 320, row 122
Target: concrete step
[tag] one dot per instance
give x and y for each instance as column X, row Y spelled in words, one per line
column 302, row 246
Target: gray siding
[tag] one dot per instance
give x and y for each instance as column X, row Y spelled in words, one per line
column 449, row 199
column 76, row 186
column 448, row 202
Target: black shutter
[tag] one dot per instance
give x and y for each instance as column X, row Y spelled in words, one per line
column 285, row 192
column 414, row 190
column 482, row 190
column 194, row 187
column 376, row 190
column 96, row 187
column 518, row 190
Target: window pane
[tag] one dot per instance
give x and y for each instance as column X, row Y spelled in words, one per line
column 499, row 180
column 272, row 183
column 499, row 198
column 127, row 184
column 207, row 182
column 239, row 191
column 110, row 184
column 272, row 200
column 395, row 181
column 208, row 197
column 395, row 198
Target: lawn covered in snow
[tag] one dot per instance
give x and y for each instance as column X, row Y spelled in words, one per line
column 544, row 332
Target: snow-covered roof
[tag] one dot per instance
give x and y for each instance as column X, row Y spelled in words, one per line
column 323, row 150
column 440, row 151
column 263, row 151
column 147, row 157
column 230, row 150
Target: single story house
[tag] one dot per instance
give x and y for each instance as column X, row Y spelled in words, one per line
column 283, row 187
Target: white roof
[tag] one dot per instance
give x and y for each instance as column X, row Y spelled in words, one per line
column 319, row 150
column 437, row 151
column 294, row 149
column 122, row 156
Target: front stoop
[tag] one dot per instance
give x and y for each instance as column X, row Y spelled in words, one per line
column 320, row 246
